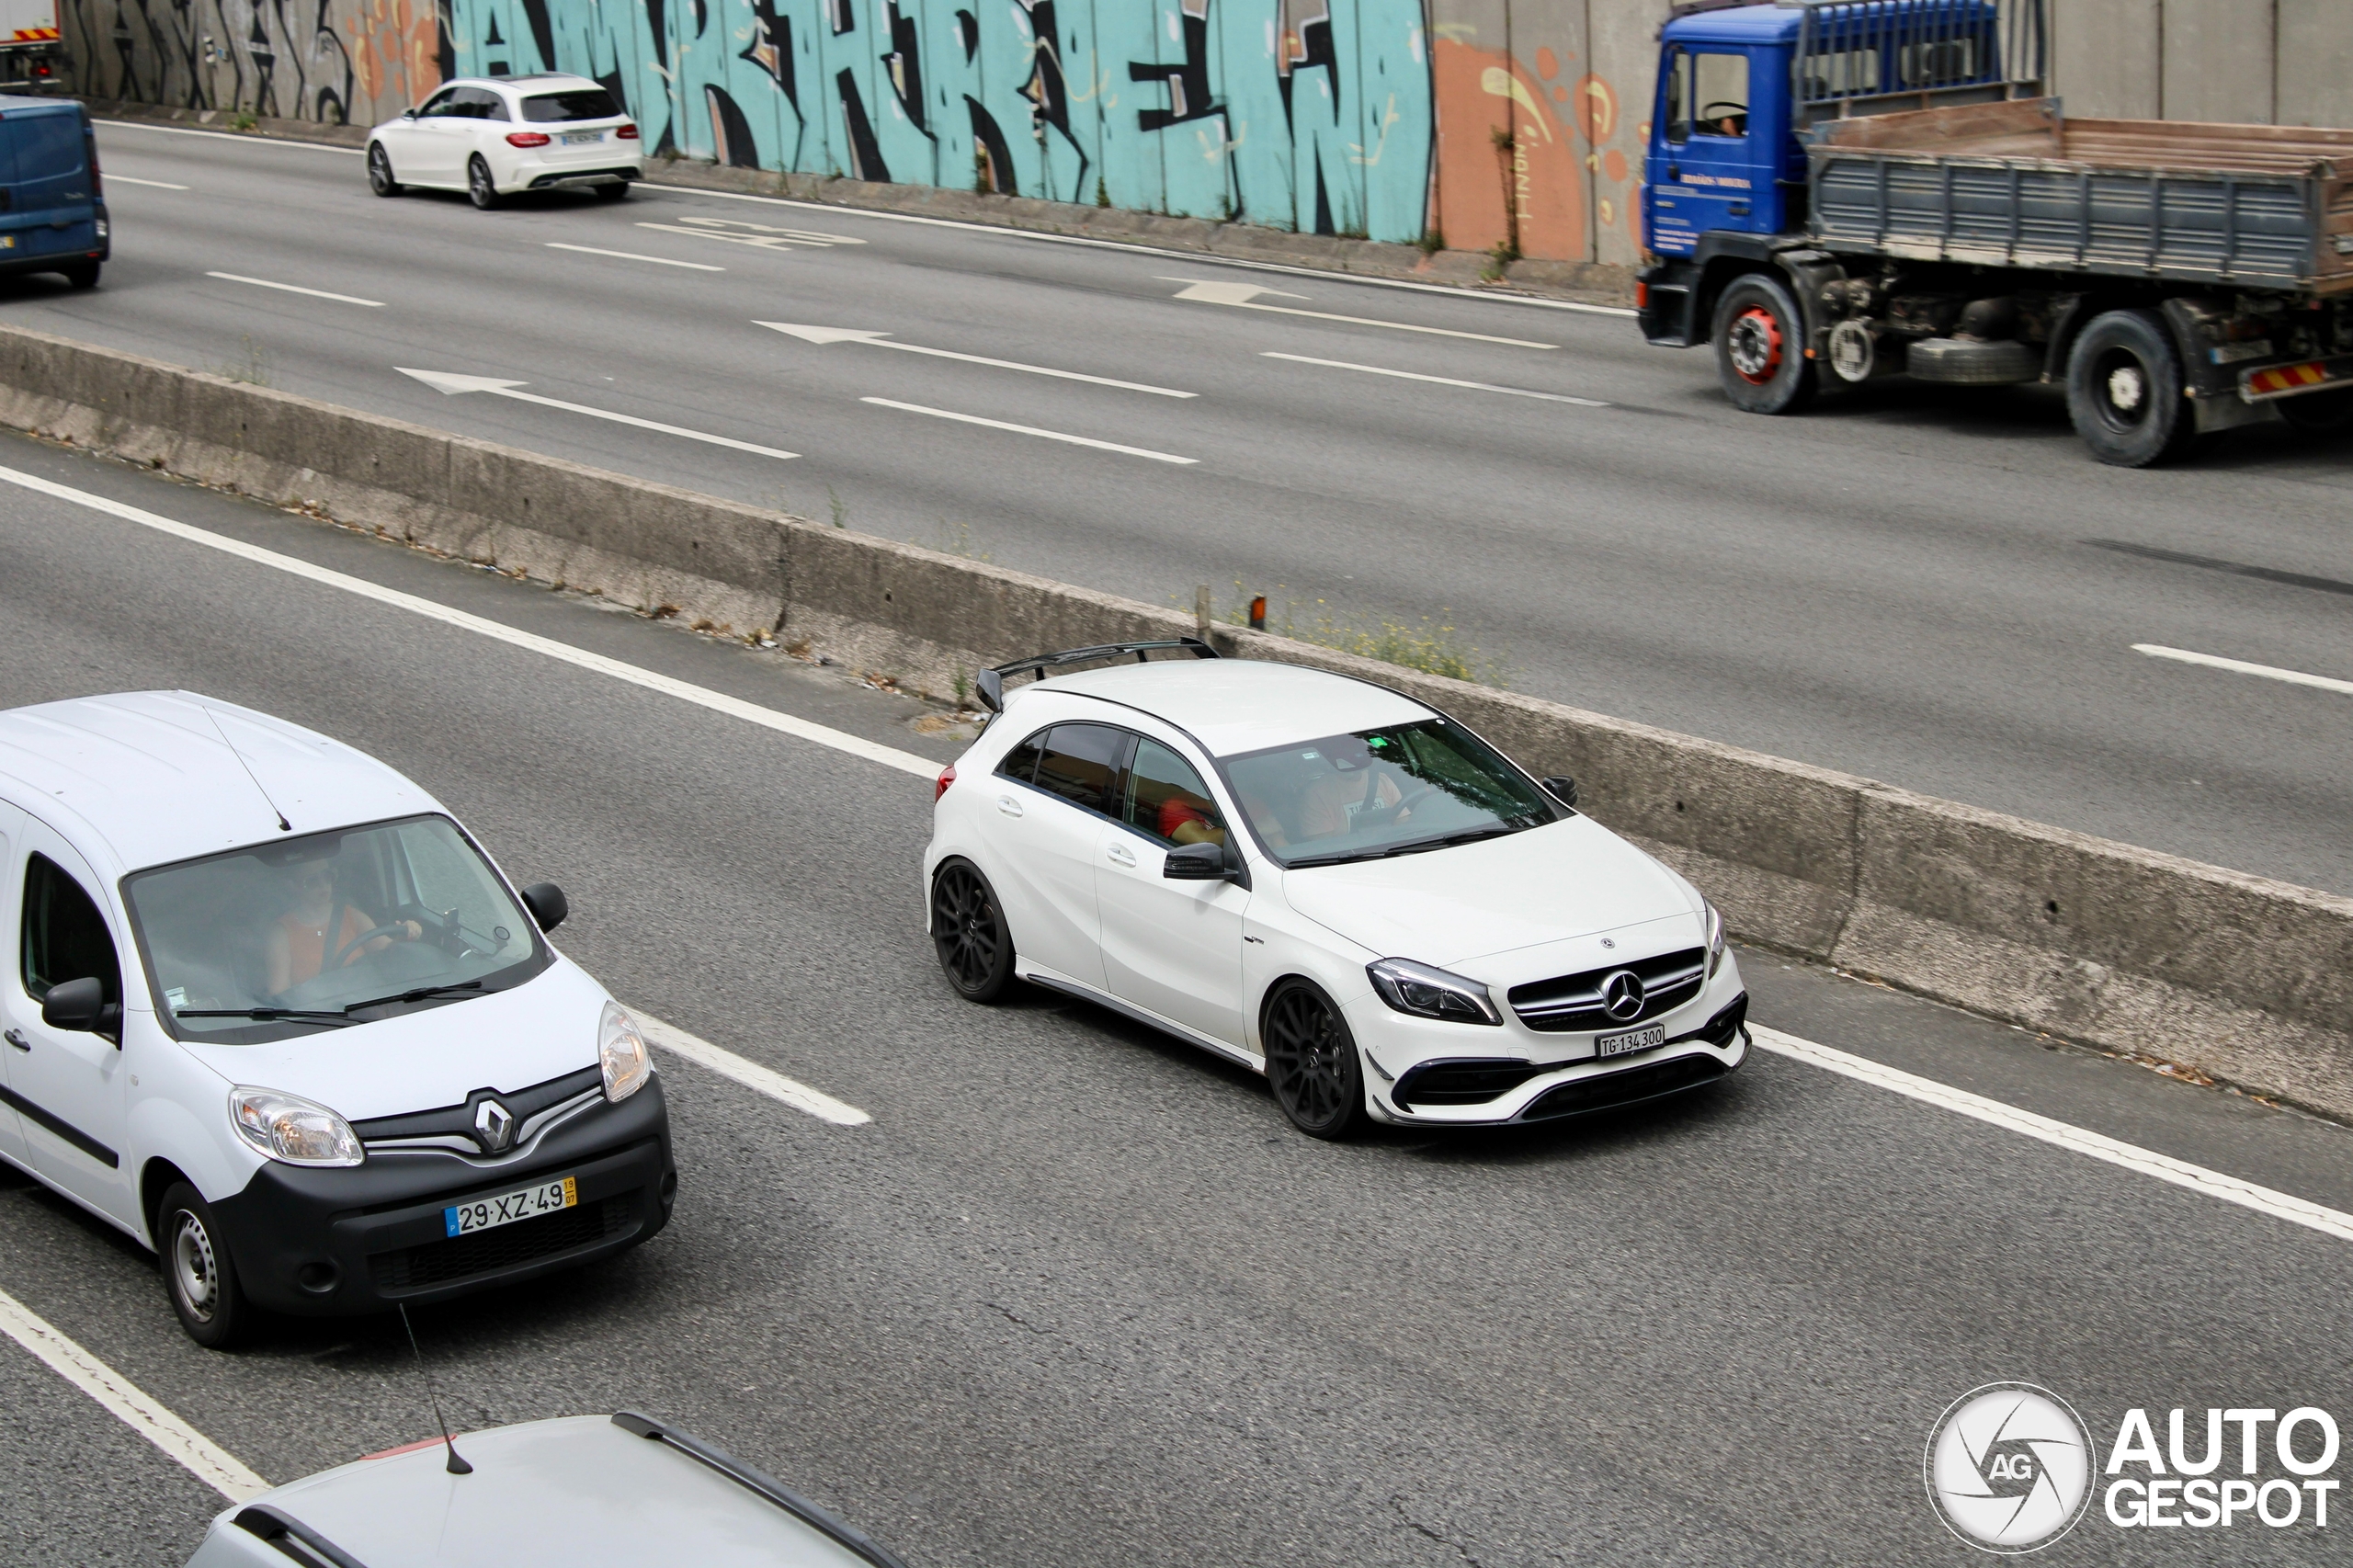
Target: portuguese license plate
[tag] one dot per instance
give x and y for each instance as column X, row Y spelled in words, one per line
column 1612, row 1044
column 581, row 138
column 489, row 1213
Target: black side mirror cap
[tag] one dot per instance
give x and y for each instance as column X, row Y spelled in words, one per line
column 1195, row 863
column 989, row 686
column 547, row 904
column 80, row 1007
column 1561, row 788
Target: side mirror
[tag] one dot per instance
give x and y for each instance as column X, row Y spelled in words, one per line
column 989, row 686
column 547, row 904
column 1562, row 789
column 408, row 114
column 1195, row 863
column 80, row 1006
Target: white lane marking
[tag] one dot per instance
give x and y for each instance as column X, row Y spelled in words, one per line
column 751, row 1075
column 297, row 289
column 1244, row 296
column 1029, row 430
column 128, row 1402
column 235, row 136
column 764, row 234
column 2269, row 672
column 1485, row 296
column 882, row 340
column 450, row 385
column 156, row 184
column 632, row 255
column 1441, row 380
column 2081, row 1141
column 701, row 697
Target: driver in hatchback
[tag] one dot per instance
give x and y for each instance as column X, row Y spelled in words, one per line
column 321, row 929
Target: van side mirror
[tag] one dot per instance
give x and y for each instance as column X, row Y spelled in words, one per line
column 80, row 1007
column 547, row 904
column 1561, row 788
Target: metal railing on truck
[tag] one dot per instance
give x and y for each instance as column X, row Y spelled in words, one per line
column 1855, row 57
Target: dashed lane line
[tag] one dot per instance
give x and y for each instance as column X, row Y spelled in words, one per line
column 150, row 184
column 2241, row 667
column 297, row 289
column 751, row 1075
column 1441, row 380
column 1031, row 431
column 632, row 255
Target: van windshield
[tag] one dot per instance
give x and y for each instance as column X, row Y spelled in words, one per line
column 1391, row 792
column 327, row 931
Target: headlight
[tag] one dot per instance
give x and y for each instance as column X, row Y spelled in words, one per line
column 1428, row 993
column 1715, row 939
column 620, row 1052
column 290, row 1128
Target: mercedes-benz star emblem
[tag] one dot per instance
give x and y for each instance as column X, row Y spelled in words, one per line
column 1622, row 996
column 494, row 1126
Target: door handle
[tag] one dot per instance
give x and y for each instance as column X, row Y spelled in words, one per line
column 1008, row 805
column 1121, row 854
column 16, row 1039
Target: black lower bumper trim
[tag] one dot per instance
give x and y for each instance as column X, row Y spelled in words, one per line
column 585, row 176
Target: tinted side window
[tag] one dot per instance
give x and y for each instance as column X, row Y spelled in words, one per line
column 440, row 103
column 65, row 938
column 1082, row 764
column 587, row 103
column 481, row 103
column 1021, row 762
column 1166, row 799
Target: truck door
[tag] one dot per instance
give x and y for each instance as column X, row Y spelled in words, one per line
column 1705, row 172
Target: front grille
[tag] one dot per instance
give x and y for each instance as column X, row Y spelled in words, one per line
column 490, row 1251
column 1571, row 1004
column 1611, row 1089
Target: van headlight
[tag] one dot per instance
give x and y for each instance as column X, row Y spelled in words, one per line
column 290, row 1128
column 1428, row 992
column 1715, row 939
column 621, row 1054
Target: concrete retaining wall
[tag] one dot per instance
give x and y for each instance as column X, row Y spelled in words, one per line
column 2243, row 978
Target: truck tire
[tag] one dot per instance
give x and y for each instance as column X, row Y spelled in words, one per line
column 2319, row 414
column 2124, row 391
column 1760, row 346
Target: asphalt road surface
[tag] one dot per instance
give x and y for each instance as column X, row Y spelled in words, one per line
column 1077, row 1295
column 1935, row 587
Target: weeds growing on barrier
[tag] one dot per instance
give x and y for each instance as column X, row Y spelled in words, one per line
column 1432, row 646
column 253, row 371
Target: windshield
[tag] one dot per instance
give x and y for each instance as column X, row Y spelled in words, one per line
column 1409, row 786
column 584, row 103
column 328, row 930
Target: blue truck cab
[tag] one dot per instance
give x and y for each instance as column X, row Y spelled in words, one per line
column 53, row 212
column 1724, row 156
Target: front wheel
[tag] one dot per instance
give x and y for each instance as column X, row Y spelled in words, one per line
column 1312, row 1063
column 1760, row 347
column 481, row 189
column 2124, row 391
column 198, row 1274
column 379, row 171
column 968, row 929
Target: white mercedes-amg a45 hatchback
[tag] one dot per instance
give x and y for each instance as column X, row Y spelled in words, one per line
column 1328, row 882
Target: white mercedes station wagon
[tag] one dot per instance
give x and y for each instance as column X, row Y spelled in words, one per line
column 1327, row 881
column 494, row 136
column 271, row 1012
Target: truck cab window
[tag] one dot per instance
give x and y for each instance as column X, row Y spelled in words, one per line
column 1719, row 89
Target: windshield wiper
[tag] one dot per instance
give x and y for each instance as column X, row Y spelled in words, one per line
column 1414, row 847
column 265, row 1015
column 418, row 994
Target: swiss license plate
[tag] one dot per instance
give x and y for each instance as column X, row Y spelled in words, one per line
column 489, row 1213
column 581, row 138
column 1611, row 1044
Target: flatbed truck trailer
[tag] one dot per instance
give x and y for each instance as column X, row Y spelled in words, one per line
column 1841, row 190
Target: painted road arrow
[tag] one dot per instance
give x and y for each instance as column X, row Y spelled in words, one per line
column 884, row 340
column 451, row 385
column 1244, row 296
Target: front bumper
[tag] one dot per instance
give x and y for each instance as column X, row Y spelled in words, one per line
column 324, row 1242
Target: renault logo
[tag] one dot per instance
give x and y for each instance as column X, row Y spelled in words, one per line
column 494, row 1124
column 1622, row 996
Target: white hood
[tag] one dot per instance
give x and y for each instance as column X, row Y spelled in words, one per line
column 1447, row 907
column 433, row 1056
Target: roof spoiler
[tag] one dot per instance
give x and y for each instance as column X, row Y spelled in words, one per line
column 990, row 684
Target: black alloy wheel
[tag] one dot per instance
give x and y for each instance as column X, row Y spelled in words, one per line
column 1760, row 347
column 198, row 1274
column 2124, row 391
column 612, row 192
column 1312, row 1063
column 379, row 171
column 480, row 188
column 968, row 928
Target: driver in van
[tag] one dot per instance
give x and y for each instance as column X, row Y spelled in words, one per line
column 321, row 929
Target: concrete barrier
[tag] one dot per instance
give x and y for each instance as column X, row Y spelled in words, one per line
column 2243, row 978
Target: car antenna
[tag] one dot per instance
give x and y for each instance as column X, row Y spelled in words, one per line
column 283, row 826
column 456, row 1465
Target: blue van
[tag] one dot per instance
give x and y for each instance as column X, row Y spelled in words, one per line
column 52, row 217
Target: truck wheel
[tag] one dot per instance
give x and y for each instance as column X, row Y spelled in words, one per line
column 2124, row 384
column 2322, row 414
column 1760, row 347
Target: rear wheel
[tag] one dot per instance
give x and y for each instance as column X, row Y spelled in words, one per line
column 1760, row 347
column 1312, row 1063
column 613, row 192
column 379, row 171
column 968, row 929
column 2124, row 391
column 2324, row 413
column 479, row 187
column 197, row 1273
column 82, row 275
